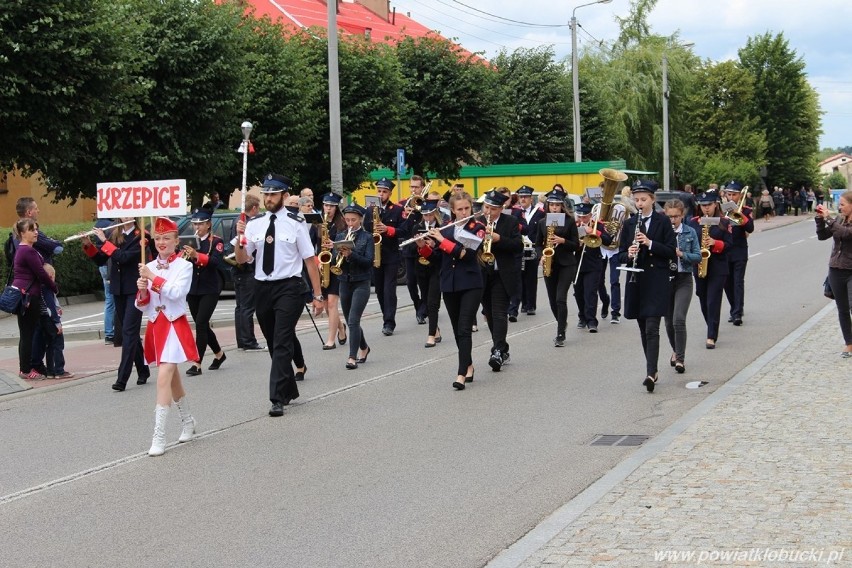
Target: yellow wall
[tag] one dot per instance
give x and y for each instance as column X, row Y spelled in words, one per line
column 573, row 183
column 16, row 186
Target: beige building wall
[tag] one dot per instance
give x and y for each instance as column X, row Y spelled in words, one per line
column 13, row 186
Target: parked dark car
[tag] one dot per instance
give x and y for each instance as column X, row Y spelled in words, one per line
column 223, row 227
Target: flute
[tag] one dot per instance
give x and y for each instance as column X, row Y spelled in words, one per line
column 458, row 223
column 93, row 231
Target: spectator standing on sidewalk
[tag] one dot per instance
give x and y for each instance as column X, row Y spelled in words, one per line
column 839, row 229
column 779, row 200
column 31, row 276
column 243, row 275
column 51, row 327
column 767, row 205
column 810, row 199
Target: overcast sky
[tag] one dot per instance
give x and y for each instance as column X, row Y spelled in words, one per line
column 815, row 29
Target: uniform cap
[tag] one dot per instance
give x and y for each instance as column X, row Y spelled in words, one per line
column 332, row 199
column 495, row 199
column 525, row 190
column 164, row 225
column 355, row 208
column 275, row 183
column 385, row 183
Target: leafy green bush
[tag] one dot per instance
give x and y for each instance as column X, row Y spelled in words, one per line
column 835, row 181
column 76, row 274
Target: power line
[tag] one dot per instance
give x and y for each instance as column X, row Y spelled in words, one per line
column 518, row 22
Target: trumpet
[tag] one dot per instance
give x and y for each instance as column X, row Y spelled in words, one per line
column 94, row 231
column 187, row 252
column 377, row 238
column 486, row 255
column 414, row 202
column 337, row 269
column 325, row 255
column 736, row 216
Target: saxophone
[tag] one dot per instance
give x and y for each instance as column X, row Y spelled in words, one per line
column 705, row 252
column 377, row 238
column 547, row 253
column 324, row 255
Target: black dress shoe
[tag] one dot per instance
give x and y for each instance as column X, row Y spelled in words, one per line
column 364, row 358
column 387, row 331
column 495, row 361
column 193, row 371
column 730, row 319
column 351, row 366
column 738, row 322
column 141, row 380
column 679, row 367
column 469, row 378
column 329, row 347
column 649, row 383
column 287, row 401
column 427, row 345
column 345, row 336
column 421, row 320
column 276, row 410
column 513, row 319
column 300, row 375
column 459, row 385
column 118, row 387
column 217, row 362
column 593, row 328
column 530, row 312
column 581, row 325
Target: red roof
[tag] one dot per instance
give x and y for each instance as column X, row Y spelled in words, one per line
column 835, row 158
column 352, row 18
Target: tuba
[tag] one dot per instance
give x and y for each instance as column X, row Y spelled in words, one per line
column 705, row 252
column 377, row 238
column 612, row 219
column 324, row 255
column 548, row 252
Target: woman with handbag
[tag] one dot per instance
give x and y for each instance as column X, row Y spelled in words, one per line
column 838, row 228
column 30, row 276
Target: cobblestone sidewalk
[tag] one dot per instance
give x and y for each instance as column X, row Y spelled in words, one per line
column 764, row 477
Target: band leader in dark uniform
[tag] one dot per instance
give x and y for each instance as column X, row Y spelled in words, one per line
column 205, row 289
column 563, row 262
column 709, row 288
column 392, row 228
column 461, row 279
column 282, row 246
column 647, row 294
column 500, row 273
column 125, row 250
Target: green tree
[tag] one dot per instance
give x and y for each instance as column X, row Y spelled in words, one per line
column 787, row 109
column 457, row 108
column 835, row 180
column 539, row 123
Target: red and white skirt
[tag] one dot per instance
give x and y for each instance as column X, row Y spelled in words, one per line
column 170, row 341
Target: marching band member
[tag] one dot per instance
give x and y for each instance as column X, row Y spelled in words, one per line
column 461, row 280
column 532, row 214
column 516, row 212
column 709, row 289
column 356, row 263
column 163, row 285
column 687, row 256
column 243, row 275
column 123, row 248
column 428, row 269
column 737, row 254
column 500, row 274
column 648, row 242
column 283, row 247
column 392, row 227
column 563, row 262
column 590, row 266
column 206, row 285
column 409, row 252
column 336, row 229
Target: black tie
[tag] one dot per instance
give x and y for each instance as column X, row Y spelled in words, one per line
column 269, row 247
column 645, row 224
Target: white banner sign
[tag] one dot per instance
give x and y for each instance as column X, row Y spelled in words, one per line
column 141, row 198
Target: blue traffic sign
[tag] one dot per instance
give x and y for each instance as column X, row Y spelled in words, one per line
column 400, row 161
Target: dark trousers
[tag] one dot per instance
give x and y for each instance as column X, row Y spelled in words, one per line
column 515, row 299
column 54, row 346
column 557, row 285
column 735, row 287
column 678, row 308
column 279, row 305
column 586, row 294
column 385, row 278
column 429, row 281
column 614, row 296
column 495, row 306
column 649, row 329
column 298, row 354
column 201, row 306
column 27, row 325
column 709, row 292
column 129, row 319
column 353, row 300
column 38, row 350
column 841, row 286
column 244, row 308
column 461, row 307
column 415, row 288
column 529, row 285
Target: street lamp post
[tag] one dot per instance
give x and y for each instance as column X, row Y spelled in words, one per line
column 666, row 167
column 575, row 80
column 246, row 127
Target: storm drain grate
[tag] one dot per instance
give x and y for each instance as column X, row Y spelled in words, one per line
column 619, row 440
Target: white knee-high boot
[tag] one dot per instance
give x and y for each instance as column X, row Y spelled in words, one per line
column 186, row 419
column 158, row 445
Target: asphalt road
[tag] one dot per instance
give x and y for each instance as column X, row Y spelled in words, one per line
column 385, row 466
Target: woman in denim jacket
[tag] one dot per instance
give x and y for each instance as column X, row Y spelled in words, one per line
column 356, row 268
column 688, row 254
